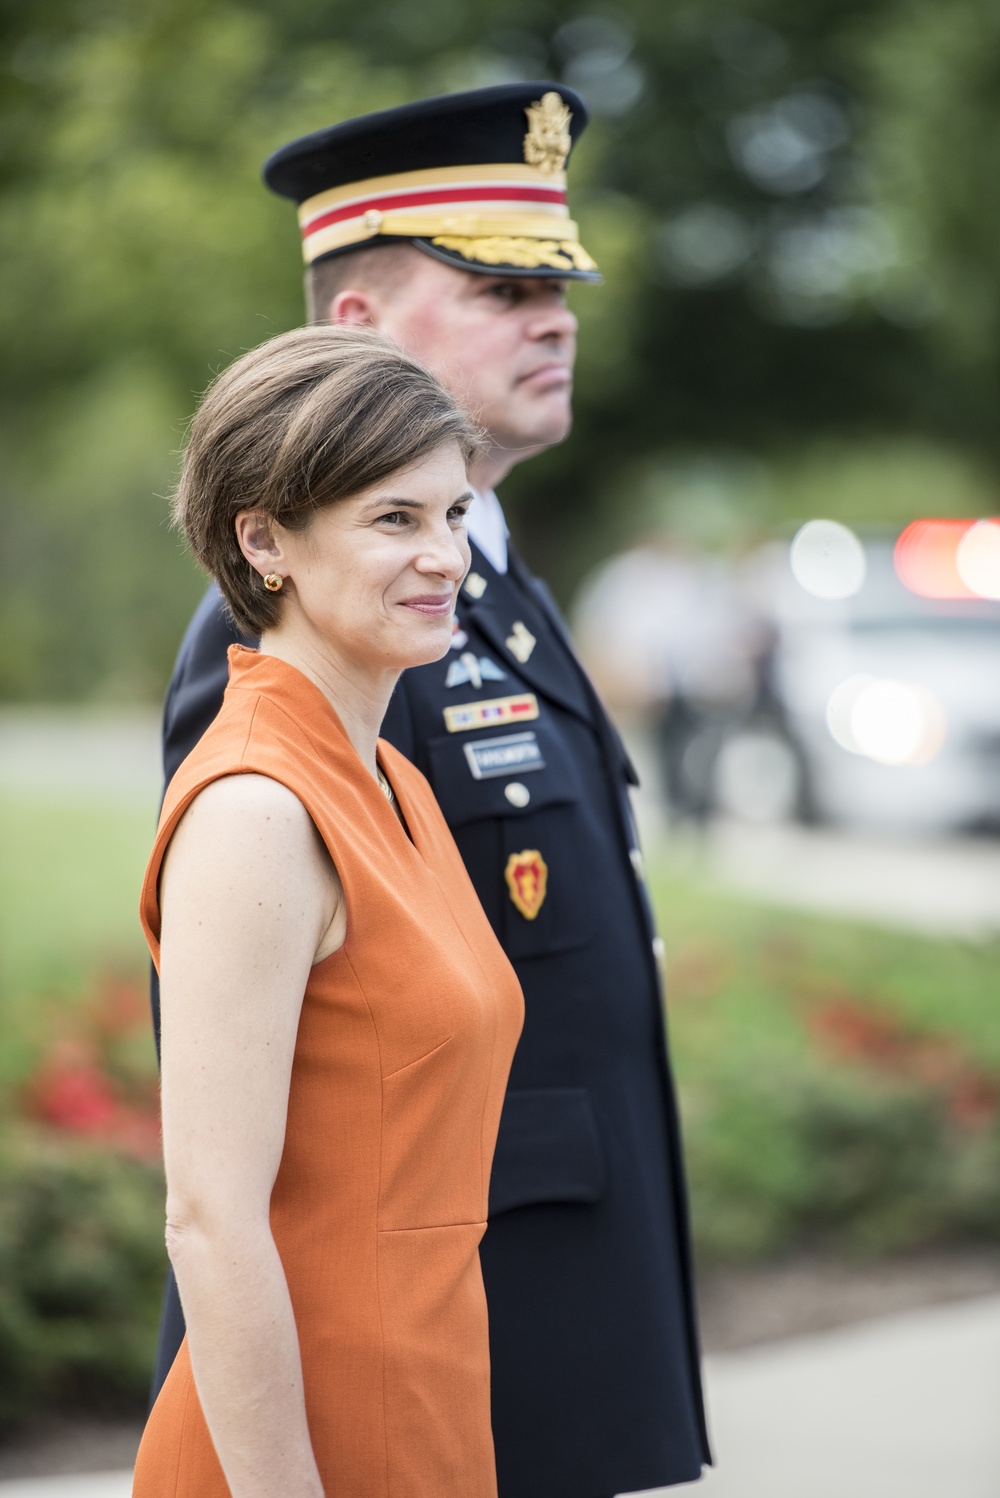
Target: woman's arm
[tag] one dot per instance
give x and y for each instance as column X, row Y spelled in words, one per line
column 249, row 901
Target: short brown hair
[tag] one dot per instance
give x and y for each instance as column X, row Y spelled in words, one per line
column 381, row 266
column 307, row 419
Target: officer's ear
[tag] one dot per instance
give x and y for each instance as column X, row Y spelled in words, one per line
column 353, row 305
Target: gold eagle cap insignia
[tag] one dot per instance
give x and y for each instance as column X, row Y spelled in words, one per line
column 547, row 143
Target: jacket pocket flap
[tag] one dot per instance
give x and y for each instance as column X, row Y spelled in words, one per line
column 548, row 1149
column 471, row 774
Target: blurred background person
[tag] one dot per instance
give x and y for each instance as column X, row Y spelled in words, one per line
column 675, row 649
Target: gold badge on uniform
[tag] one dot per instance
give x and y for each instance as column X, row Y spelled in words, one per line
column 520, row 642
column 527, row 877
column 475, row 585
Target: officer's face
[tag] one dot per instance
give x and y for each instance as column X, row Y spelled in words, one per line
column 504, row 346
column 371, row 583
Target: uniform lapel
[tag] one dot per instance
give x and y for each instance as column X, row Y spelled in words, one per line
column 507, row 602
column 598, row 712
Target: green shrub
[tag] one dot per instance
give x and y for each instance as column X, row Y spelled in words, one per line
column 823, row 1159
column 839, row 1085
column 81, row 1274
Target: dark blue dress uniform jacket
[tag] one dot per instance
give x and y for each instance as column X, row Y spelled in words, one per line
column 595, row 1368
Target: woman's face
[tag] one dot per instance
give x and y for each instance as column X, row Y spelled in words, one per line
column 376, row 576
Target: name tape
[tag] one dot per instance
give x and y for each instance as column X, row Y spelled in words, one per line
column 515, row 751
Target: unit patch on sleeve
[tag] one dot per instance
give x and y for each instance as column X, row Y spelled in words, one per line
column 490, row 714
column 503, row 755
column 527, row 877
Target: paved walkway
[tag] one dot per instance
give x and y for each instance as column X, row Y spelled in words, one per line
column 941, row 886
column 906, row 1407
column 94, row 1485
column 87, row 754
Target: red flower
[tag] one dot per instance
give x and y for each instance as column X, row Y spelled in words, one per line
column 76, row 1096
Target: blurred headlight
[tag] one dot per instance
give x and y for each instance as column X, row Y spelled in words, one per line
column 827, row 559
column 977, row 558
column 891, row 722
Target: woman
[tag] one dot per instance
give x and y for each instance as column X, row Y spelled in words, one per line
column 338, row 1017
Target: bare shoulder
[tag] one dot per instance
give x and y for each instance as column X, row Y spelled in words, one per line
column 256, row 798
column 246, row 817
column 246, row 847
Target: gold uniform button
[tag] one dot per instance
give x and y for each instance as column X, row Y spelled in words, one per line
column 517, row 794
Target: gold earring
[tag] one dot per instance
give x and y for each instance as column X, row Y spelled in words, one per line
column 273, row 582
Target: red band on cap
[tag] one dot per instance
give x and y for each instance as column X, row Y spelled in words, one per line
column 393, row 201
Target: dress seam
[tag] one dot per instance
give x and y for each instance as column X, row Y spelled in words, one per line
column 417, row 1059
column 378, row 1198
column 433, row 1227
column 187, row 1401
column 249, row 730
column 490, row 988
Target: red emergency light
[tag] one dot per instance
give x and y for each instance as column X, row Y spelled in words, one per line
column 926, row 558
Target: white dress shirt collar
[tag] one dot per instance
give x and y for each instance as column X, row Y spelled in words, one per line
column 488, row 528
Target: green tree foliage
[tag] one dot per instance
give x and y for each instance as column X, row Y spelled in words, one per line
column 789, row 202
column 934, row 148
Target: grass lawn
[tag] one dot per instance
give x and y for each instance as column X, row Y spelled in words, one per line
column 743, row 970
column 70, row 876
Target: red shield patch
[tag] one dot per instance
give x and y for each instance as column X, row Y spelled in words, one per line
column 527, row 876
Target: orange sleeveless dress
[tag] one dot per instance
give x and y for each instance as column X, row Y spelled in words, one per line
column 401, row 1060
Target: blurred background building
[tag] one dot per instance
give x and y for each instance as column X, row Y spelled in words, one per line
column 771, row 529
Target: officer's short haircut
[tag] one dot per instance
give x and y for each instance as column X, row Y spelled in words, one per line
column 309, row 418
column 380, row 267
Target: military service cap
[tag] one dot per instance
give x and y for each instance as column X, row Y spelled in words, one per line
column 475, row 179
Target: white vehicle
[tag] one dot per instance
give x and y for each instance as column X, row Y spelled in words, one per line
column 892, row 699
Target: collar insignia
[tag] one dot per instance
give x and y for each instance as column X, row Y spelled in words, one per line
column 547, row 143
column 468, row 669
column 520, row 642
column 475, row 585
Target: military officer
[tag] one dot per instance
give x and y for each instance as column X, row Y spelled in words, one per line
column 445, row 223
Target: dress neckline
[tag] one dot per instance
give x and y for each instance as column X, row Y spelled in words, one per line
column 286, row 685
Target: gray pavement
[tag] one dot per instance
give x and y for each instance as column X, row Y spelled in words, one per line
column 103, row 754
column 904, row 1407
column 941, row 886
column 93, row 1485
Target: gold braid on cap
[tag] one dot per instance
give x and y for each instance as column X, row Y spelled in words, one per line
column 525, row 254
